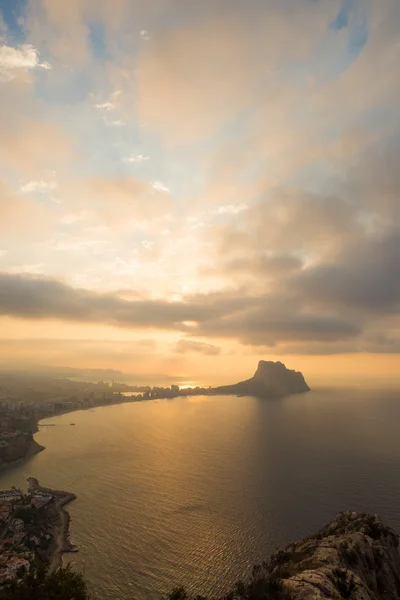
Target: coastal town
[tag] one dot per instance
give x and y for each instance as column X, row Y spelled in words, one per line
column 44, row 396
column 25, row 399
column 33, row 530
column 34, row 527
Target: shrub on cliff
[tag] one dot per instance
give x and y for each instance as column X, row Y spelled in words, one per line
column 39, row 584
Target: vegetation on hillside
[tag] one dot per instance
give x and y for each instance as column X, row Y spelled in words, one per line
column 39, row 584
column 262, row 585
column 66, row 584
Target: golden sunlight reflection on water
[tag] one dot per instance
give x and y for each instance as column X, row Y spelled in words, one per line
column 194, row 491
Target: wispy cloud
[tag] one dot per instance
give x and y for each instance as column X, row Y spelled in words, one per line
column 231, row 209
column 136, row 158
column 113, row 122
column 24, row 57
column 185, row 346
column 160, row 187
column 38, row 186
column 105, row 106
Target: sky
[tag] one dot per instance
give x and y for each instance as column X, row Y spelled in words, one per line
column 190, row 186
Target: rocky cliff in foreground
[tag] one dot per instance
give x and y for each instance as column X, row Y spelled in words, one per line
column 356, row 556
column 270, row 379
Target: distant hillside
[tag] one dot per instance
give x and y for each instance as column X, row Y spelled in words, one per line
column 270, row 379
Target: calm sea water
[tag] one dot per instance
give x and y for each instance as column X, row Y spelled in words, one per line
column 197, row 490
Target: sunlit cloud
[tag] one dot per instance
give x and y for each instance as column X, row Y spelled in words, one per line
column 184, row 346
column 114, row 122
column 105, row 106
column 231, row 209
column 39, row 186
column 24, row 57
column 136, row 158
column 160, row 187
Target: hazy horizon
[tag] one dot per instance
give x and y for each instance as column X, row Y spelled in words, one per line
column 189, row 187
column 373, row 381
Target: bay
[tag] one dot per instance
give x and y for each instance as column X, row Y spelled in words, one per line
column 196, row 490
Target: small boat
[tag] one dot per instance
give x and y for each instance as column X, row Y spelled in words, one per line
column 72, row 423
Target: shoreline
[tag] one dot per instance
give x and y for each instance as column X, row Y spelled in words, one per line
column 60, row 520
column 34, row 449
column 62, row 536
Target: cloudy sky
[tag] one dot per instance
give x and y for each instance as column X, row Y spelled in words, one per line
column 187, row 186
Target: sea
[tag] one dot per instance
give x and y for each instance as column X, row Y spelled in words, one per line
column 194, row 491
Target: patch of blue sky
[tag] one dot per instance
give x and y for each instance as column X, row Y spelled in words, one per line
column 341, row 21
column 343, row 41
column 101, row 144
column 71, row 86
column 98, row 42
column 13, row 12
column 353, row 16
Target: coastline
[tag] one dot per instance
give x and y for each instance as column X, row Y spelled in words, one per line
column 62, row 535
column 34, row 448
column 59, row 519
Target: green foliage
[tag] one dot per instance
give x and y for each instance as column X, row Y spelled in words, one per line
column 39, row 584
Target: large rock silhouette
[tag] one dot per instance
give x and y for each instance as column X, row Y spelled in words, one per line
column 270, row 379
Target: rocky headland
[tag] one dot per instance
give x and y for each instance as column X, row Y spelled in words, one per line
column 270, row 379
column 18, row 450
column 355, row 556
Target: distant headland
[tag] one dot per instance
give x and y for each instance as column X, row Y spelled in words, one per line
column 270, row 379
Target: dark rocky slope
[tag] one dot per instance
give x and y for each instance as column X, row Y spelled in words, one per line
column 270, row 379
column 356, row 556
column 18, row 449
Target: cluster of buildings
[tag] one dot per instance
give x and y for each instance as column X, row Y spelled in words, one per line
column 24, row 532
column 43, row 396
column 8, row 499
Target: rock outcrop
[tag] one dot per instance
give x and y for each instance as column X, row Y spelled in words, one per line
column 270, row 379
column 356, row 556
column 17, row 449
